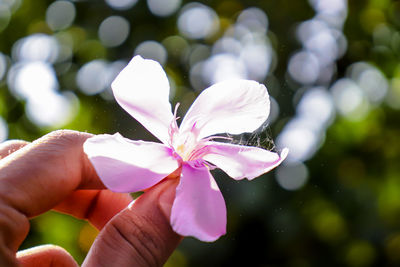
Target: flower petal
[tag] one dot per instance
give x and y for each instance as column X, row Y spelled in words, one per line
column 142, row 89
column 124, row 165
column 199, row 208
column 234, row 107
column 242, row 161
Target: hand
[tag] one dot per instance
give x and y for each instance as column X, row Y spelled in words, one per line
column 54, row 173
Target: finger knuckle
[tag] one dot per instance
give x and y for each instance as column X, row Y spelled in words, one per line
column 141, row 236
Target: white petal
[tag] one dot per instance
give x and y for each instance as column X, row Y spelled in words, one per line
column 242, row 161
column 199, row 208
column 142, row 89
column 234, row 107
column 124, row 165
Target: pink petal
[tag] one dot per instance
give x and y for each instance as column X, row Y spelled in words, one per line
column 242, row 161
column 234, row 107
column 142, row 89
column 199, row 208
column 124, row 165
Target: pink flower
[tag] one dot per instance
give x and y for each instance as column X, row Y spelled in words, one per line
column 233, row 107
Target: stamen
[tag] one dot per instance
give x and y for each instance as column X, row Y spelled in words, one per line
column 173, row 127
column 201, row 148
column 198, row 152
column 187, row 144
column 176, row 110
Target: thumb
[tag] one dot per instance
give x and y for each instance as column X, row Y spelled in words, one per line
column 141, row 234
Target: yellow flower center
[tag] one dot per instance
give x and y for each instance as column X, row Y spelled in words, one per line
column 181, row 150
column 185, row 144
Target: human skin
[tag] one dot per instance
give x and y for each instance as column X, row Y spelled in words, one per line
column 54, row 173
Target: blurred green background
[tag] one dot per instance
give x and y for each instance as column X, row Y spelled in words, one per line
column 332, row 69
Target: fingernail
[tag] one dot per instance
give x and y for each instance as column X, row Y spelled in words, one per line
column 131, row 204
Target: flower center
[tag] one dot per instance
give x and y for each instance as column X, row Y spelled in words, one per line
column 185, row 144
column 180, row 149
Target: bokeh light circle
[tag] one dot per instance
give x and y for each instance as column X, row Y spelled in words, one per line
column 51, row 109
column 121, row 4
column 350, row 99
column 113, row 31
column 32, row 79
column 60, row 15
column 36, row 47
column 292, row 176
column 304, row 67
column 3, row 65
column 152, row 50
column 254, row 19
column 197, row 21
column 5, row 16
column 3, row 130
column 92, row 77
column 163, row 8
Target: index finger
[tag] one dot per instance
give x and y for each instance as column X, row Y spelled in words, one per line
column 97, row 206
column 40, row 175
